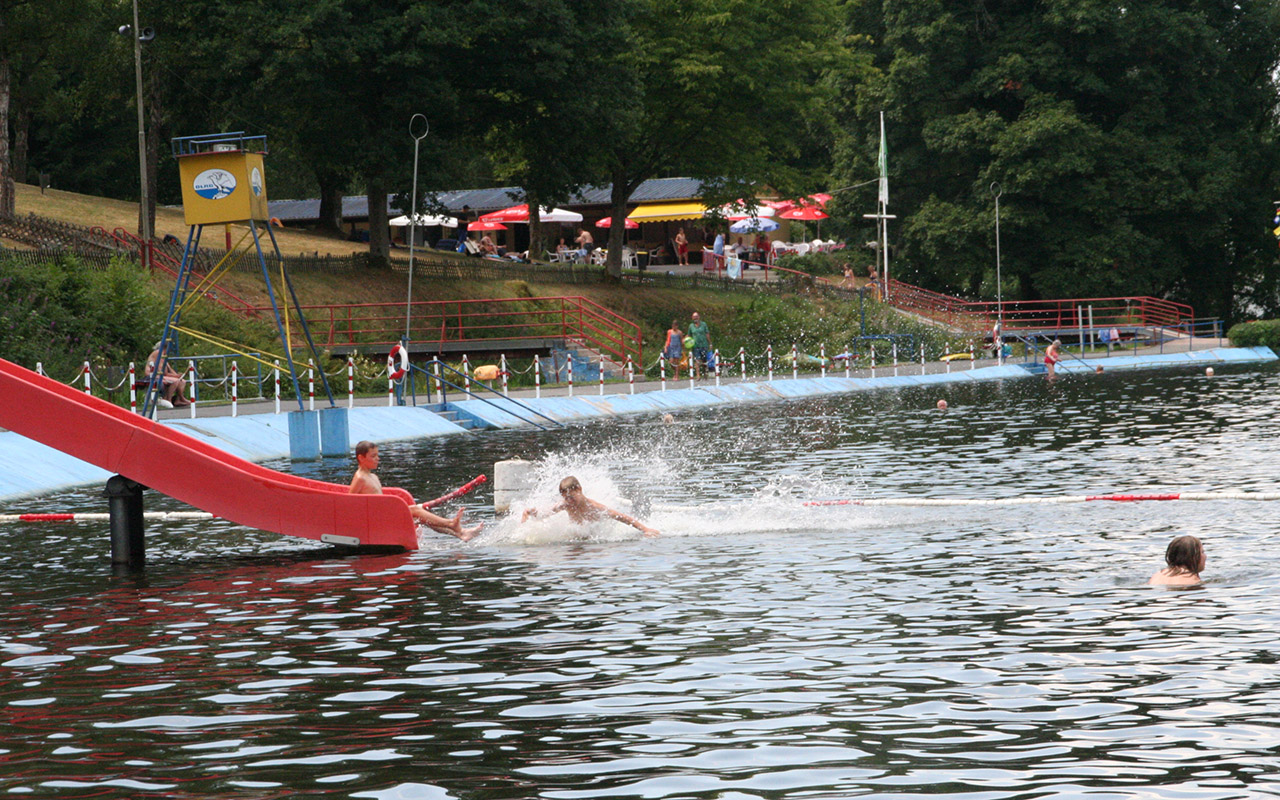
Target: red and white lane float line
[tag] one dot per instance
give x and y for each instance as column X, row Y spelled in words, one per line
column 176, row 516
column 1030, row 501
column 162, row 516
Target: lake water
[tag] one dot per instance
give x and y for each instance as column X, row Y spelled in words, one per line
column 760, row 648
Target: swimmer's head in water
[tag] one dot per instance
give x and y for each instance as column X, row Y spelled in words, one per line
column 1185, row 553
column 569, row 485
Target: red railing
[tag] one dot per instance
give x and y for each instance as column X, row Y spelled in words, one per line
column 168, row 264
column 1039, row 315
column 508, row 320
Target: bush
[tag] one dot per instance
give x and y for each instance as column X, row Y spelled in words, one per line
column 1264, row 332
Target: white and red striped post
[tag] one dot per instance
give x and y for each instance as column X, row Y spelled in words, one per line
column 972, row 362
column 391, row 389
column 848, row 362
column 873, row 360
column 466, row 372
column 503, row 372
column 716, row 355
column 922, row 358
column 88, row 388
column 351, row 382
column 311, row 384
column 631, row 375
column 602, row 374
column 537, row 375
column 768, row 353
column 795, row 362
column 570, row 373
column 822, row 353
column 895, row 358
column 277, row 375
column 235, row 389
column 946, row 351
column 133, row 388
column 191, row 387
column 40, row 368
column 742, row 362
column 662, row 371
column 435, row 370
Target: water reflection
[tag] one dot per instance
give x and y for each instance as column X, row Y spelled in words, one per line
column 760, row 649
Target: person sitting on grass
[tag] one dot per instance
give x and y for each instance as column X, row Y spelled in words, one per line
column 1185, row 559
column 365, row 482
column 582, row 509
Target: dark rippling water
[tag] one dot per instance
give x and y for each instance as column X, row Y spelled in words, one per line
column 759, row 649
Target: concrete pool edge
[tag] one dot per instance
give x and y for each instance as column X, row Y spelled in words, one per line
column 31, row 468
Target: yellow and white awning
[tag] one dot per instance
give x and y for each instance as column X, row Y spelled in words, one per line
column 665, row 212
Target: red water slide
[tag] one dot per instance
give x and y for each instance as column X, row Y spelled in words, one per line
column 194, row 472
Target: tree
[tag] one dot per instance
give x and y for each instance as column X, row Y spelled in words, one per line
column 727, row 91
column 1135, row 145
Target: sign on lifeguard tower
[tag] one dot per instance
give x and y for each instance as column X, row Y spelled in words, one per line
column 222, row 177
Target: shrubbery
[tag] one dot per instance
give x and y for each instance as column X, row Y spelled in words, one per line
column 1265, row 332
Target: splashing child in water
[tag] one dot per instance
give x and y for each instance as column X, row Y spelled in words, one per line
column 582, row 509
column 1186, row 560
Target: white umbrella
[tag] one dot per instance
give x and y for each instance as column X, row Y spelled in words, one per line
column 425, row 219
column 753, row 225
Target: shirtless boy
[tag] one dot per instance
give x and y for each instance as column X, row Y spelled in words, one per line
column 365, row 482
column 581, row 508
column 1186, row 560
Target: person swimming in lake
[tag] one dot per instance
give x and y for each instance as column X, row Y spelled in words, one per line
column 365, row 482
column 1186, row 560
column 582, row 509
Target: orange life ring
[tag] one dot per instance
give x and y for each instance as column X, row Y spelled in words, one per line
column 397, row 363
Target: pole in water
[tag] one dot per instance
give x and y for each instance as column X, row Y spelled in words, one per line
column 124, row 503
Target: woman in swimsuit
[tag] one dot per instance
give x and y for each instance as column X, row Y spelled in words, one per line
column 673, row 349
column 1052, row 356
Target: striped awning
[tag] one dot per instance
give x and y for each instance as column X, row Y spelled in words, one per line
column 663, row 212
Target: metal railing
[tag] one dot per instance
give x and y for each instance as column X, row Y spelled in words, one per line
column 435, row 322
column 437, row 375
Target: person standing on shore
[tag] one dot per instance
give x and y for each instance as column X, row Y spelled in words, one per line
column 673, row 348
column 701, row 345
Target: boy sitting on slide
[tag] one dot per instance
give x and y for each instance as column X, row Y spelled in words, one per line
column 365, row 482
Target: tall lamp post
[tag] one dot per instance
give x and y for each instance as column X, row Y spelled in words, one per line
column 417, row 122
column 141, row 35
column 996, row 192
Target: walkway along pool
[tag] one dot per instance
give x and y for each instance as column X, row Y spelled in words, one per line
column 761, row 648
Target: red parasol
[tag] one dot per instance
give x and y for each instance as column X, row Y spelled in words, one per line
column 630, row 224
column 804, row 213
column 486, row 225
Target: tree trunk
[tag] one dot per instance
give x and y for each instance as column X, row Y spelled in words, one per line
column 7, row 188
column 330, row 201
column 21, row 146
column 617, row 224
column 535, row 224
column 379, row 227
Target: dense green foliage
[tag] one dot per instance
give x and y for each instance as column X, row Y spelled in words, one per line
column 1260, row 333
column 62, row 313
column 1135, row 145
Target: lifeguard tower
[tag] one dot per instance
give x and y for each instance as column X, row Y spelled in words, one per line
column 223, row 183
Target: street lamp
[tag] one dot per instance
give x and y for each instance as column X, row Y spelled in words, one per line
column 425, row 127
column 996, row 192
column 141, row 35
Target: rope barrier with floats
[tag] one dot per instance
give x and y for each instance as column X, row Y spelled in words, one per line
column 459, row 492
column 175, row 516
column 1027, row 501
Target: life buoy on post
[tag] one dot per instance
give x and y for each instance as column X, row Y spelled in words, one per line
column 397, row 363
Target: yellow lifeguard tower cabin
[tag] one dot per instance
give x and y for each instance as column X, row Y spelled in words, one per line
column 222, row 177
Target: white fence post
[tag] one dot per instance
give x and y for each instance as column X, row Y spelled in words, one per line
column 351, row 382
column 742, row 362
column 822, row 353
column 768, row 352
column 502, row 360
column 795, row 361
column 570, row 373
column 191, row 387
column 88, row 389
column 277, row 375
column 972, row 363
column 602, row 374
column 537, row 375
column 946, row 351
column 873, row 360
column 631, row 375
column 662, row 371
column 311, row 384
column 133, row 388
column 716, row 356
column 466, row 372
column 235, row 389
